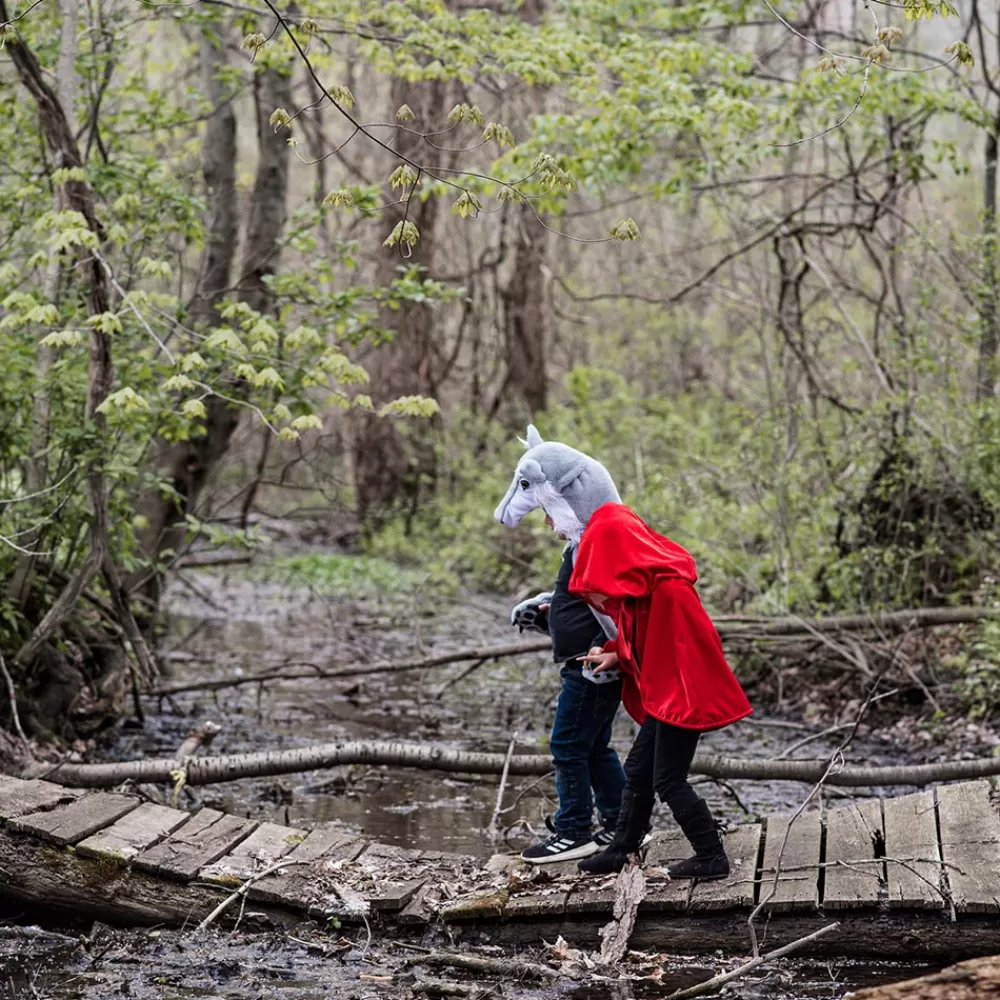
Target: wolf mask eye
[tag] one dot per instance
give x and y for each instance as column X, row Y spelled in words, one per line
column 525, row 485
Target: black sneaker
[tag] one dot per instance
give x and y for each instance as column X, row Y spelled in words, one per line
column 560, row 848
column 603, row 839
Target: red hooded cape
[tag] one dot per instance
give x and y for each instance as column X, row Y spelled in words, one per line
column 668, row 649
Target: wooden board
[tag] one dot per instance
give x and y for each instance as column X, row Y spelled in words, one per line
column 18, row 798
column 416, row 913
column 798, row 882
column 548, row 901
column 662, row 894
column 852, row 834
column 204, row 838
column 910, row 825
column 392, row 893
column 133, row 833
column 71, row 822
column 970, row 846
column 296, row 885
column 736, row 891
column 269, row 843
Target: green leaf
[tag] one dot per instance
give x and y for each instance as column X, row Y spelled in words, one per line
column 340, row 198
column 126, row 400
column 108, row 323
column 500, row 133
column 467, row 204
column 308, row 421
column 279, row 119
column 403, row 176
column 625, row 230
column 410, row 406
column 963, row 52
column 63, row 338
column 195, row 409
column 404, row 113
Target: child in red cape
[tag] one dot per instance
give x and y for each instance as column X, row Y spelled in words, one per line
column 676, row 682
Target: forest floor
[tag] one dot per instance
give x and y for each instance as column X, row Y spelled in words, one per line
column 329, row 610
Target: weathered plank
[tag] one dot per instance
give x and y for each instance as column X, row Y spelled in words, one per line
column 71, row 822
column 970, row 846
column 204, row 838
column 18, row 798
column 736, row 891
column 797, row 886
column 417, row 912
column 661, row 893
column 912, row 852
column 296, row 885
column 269, row 843
column 548, row 901
column 133, row 833
column 853, row 876
column 404, row 867
column 595, row 894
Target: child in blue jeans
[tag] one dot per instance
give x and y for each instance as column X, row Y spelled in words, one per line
column 570, row 486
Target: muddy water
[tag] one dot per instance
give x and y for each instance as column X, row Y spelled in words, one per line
column 252, row 625
column 224, row 624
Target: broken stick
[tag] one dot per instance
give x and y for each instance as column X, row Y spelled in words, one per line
column 710, row 985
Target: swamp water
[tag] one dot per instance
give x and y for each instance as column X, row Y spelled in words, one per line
column 224, row 624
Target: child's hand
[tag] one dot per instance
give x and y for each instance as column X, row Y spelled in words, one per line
column 599, row 660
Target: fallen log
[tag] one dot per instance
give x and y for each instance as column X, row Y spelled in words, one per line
column 270, row 763
column 732, row 628
column 978, row 979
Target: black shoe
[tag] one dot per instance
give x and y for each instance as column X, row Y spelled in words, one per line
column 702, row 831
column 630, row 833
column 559, row 848
column 705, row 866
column 605, row 838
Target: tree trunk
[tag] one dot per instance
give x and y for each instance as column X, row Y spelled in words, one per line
column 525, row 316
column 524, row 297
column 394, row 461
column 187, row 465
column 37, row 467
column 989, row 336
column 427, row 757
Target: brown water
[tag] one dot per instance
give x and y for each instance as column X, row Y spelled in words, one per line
column 237, row 624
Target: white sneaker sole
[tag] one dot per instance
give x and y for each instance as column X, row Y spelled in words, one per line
column 584, row 851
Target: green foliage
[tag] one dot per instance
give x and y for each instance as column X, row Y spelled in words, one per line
column 335, row 575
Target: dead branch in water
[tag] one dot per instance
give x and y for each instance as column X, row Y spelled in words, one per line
column 270, row 763
column 732, row 629
column 505, row 967
column 710, row 985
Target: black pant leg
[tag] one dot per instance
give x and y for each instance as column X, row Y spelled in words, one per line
column 640, row 762
column 673, row 754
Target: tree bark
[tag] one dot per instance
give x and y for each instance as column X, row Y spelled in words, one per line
column 210, row 770
column 524, row 296
column 989, row 319
column 187, row 465
column 393, row 461
column 978, row 979
column 36, row 873
column 524, row 301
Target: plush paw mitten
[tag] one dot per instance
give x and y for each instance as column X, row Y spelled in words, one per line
column 528, row 614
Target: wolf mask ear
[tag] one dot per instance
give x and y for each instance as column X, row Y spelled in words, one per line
column 534, row 438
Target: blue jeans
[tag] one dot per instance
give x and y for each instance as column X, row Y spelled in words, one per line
column 584, row 760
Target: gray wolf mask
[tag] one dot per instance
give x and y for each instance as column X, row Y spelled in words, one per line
column 567, row 484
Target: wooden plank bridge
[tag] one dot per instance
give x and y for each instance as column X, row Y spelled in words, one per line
column 917, row 875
